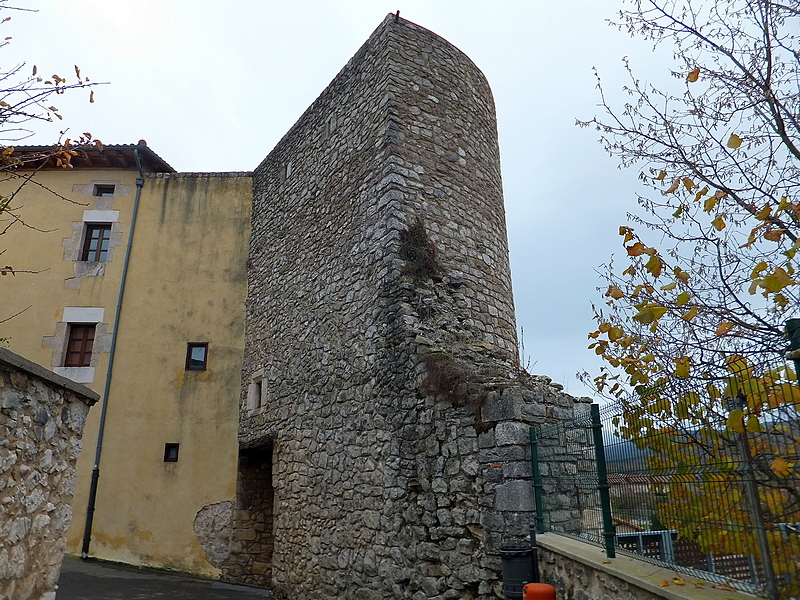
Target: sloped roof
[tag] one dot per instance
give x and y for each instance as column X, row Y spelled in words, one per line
column 110, row 156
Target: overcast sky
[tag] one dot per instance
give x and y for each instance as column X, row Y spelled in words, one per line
column 213, row 86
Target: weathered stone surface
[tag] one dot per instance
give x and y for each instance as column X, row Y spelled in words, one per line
column 213, row 528
column 39, row 444
column 387, row 453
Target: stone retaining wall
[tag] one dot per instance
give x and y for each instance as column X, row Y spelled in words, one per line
column 580, row 571
column 41, row 423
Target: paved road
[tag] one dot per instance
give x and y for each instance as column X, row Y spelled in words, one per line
column 91, row 580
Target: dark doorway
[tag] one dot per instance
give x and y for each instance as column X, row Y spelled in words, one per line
column 251, row 549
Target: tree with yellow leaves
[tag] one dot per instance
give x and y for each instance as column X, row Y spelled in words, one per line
column 710, row 274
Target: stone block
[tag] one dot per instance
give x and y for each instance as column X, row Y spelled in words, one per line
column 514, row 496
column 512, row 432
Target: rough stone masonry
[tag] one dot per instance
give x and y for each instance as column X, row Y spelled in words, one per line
column 41, row 423
column 384, row 416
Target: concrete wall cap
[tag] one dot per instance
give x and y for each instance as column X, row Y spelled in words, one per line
column 31, row 368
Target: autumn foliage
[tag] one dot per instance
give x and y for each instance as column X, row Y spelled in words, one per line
column 26, row 99
column 709, row 270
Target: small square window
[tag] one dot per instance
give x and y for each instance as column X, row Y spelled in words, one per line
column 104, row 190
column 95, row 244
column 79, row 345
column 196, row 356
column 171, row 452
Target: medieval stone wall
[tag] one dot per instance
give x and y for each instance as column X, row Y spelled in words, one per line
column 41, row 423
column 380, row 359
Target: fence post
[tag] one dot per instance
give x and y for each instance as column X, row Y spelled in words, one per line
column 602, row 481
column 792, row 333
column 537, row 481
column 751, row 486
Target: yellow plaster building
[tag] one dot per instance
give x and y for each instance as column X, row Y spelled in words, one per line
column 169, row 443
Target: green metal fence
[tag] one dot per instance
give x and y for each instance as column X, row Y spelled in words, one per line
column 700, row 475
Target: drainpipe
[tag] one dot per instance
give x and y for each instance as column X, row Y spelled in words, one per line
column 87, row 531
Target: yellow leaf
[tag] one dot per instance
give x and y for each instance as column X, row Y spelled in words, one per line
column 693, row 75
column 735, row 422
column 669, row 286
column 654, row 265
column 690, row 314
column 701, row 193
column 709, row 203
column 614, row 292
column 681, row 275
column 678, row 581
column 758, row 269
column 737, row 363
column 764, row 212
column 753, row 425
column 627, row 232
column 664, row 583
column 777, row 280
column 682, row 366
column 724, row 328
column 751, row 239
column 718, row 223
column 682, row 298
column 636, row 249
column 734, row 141
column 661, row 175
column 780, row 467
column 688, row 183
column 615, row 333
column 682, row 410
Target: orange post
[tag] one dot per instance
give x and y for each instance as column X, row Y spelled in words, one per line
column 538, row 591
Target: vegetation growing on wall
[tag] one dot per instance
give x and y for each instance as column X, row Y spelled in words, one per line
column 419, row 252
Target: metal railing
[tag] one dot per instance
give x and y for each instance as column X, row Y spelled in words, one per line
column 701, row 476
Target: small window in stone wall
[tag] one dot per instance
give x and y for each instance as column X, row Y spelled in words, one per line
column 329, row 127
column 171, row 452
column 196, row 356
column 254, row 392
column 104, row 189
column 286, row 171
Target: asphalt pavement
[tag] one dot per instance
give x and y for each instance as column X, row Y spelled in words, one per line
column 96, row 580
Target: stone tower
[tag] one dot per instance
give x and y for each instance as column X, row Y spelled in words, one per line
column 384, row 420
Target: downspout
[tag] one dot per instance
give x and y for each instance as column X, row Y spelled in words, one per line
column 87, row 531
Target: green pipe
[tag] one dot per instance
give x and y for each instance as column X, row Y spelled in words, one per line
column 87, row 530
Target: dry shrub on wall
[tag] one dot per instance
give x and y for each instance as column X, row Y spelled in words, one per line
column 419, row 252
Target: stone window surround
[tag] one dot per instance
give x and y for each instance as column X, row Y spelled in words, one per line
column 255, row 393
column 100, row 213
column 58, row 341
column 73, row 246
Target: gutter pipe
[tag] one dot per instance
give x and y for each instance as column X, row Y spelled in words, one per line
column 87, row 531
